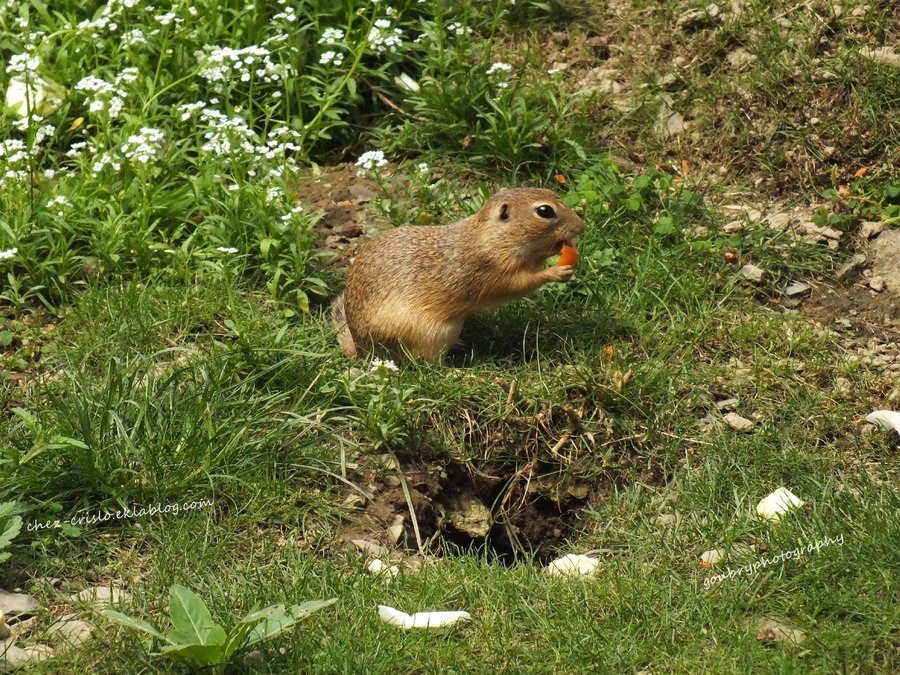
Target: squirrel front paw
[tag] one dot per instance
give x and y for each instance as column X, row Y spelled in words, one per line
column 560, row 273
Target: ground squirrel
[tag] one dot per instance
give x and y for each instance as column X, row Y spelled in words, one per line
column 412, row 287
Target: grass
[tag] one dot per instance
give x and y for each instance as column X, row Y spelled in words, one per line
column 165, row 340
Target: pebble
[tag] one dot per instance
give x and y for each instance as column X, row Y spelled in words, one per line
column 735, row 421
column 752, row 273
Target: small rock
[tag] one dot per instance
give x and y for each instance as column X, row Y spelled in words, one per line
column 770, row 630
column 885, row 55
column 372, row 548
column 361, row 193
column 101, row 596
column 13, row 604
column 692, row 19
column 850, row 265
column 561, row 38
column 395, row 531
column 843, row 386
column 752, row 273
column 831, row 233
column 470, row 516
column 713, row 10
column 796, row 288
column 739, row 58
column 778, row 221
column 69, row 632
column 14, row 658
column 669, row 122
column 733, row 227
column 735, row 421
column 877, row 284
column 665, row 519
column 870, row 228
column 727, row 404
column 255, row 660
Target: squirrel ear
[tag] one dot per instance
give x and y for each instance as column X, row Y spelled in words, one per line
column 504, row 212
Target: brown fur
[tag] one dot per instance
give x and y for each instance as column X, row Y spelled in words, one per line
column 411, row 288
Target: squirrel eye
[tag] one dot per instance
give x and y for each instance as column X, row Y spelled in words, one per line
column 545, row 211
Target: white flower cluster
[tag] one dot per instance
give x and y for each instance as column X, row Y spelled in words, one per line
column 226, row 135
column 4, row 255
column 458, row 30
column 134, row 38
column 62, row 202
column 294, row 212
column 383, row 38
column 142, row 147
column 370, row 160
column 502, row 68
column 222, row 64
column 13, row 151
column 380, row 366
column 23, row 64
column 107, row 97
column 499, row 67
column 107, row 19
column 331, row 57
column 331, row 36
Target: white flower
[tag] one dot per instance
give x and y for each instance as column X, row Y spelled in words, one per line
column 457, row 29
column 378, row 365
column 227, row 249
column 331, row 36
column 8, row 254
column 141, row 148
column 382, row 38
column 422, row 167
column 499, row 66
column 331, row 57
column 371, row 159
column 24, row 64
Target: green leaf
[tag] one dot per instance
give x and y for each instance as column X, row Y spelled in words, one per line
column 304, row 609
column 234, row 640
column 266, row 244
column 70, row 530
column 133, row 623
column 7, row 508
column 11, row 529
column 192, row 619
column 205, row 655
column 273, row 625
column 260, row 614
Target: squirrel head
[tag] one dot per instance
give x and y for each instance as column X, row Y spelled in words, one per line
column 531, row 224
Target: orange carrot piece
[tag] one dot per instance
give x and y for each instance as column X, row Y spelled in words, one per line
column 568, row 255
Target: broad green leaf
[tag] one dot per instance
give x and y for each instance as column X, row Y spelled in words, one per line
column 192, row 619
column 205, row 655
column 260, row 614
column 304, row 609
column 10, row 531
column 273, row 625
column 7, row 508
column 235, row 638
column 133, row 623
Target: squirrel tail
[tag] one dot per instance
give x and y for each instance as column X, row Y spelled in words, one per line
column 339, row 321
